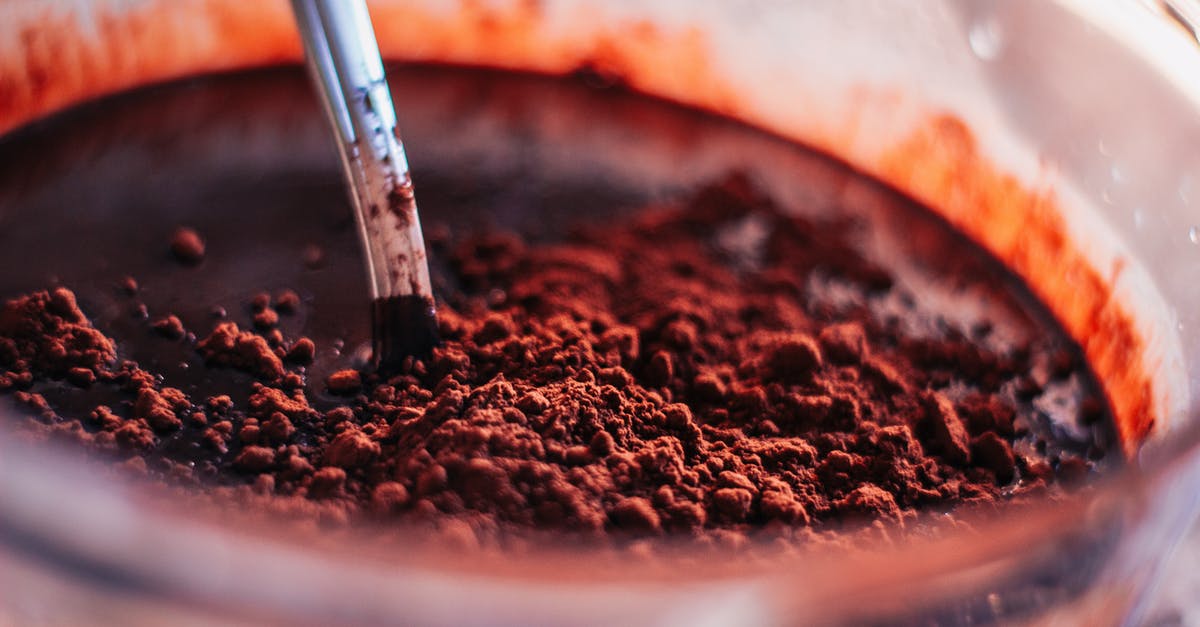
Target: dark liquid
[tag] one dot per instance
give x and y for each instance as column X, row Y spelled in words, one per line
column 93, row 195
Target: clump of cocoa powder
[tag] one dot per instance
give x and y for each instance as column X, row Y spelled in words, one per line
column 187, row 246
column 638, row 379
column 46, row 335
column 230, row 346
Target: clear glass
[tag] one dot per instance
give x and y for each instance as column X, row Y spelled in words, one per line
column 1022, row 123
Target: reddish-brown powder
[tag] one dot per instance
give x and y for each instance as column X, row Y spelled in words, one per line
column 187, row 246
column 651, row 377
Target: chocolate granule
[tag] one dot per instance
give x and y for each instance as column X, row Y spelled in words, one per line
column 344, row 382
column 641, row 378
column 313, row 256
column 287, row 301
column 302, row 351
column 187, row 246
column 266, row 319
column 169, row 327
column 128, row 285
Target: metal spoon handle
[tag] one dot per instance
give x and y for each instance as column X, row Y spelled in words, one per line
column 344, row 59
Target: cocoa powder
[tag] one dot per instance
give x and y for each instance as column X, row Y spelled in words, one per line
column 187, row 246
column 654, row 376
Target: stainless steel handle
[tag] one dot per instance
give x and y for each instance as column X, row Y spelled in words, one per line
column 344, row 60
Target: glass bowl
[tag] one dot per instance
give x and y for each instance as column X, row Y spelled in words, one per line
column 1058, row 135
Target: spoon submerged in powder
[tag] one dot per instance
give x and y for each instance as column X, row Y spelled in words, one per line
column 344, row 60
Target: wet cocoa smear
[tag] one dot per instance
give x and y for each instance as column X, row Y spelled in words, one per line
column 705, row 333
column 402, row 327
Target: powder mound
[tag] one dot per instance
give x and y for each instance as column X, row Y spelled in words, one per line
column 641, row 378
column 350, row 449
column 229, row 346
column 792, row 357
column 637, row 382
column 46, row 334
column 158, row 408
column 169, row 327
